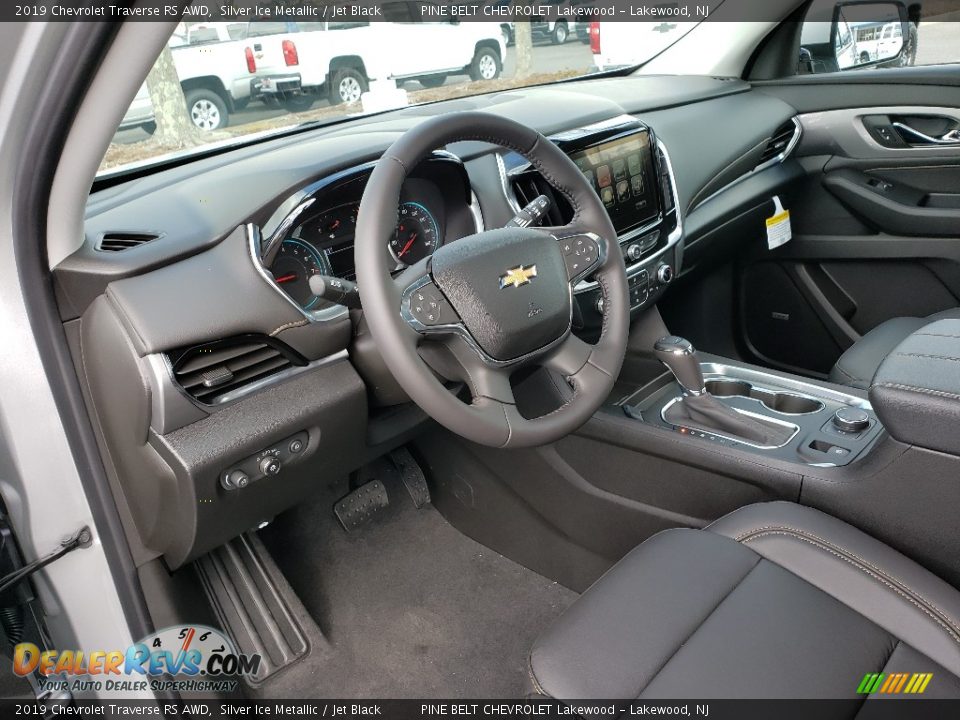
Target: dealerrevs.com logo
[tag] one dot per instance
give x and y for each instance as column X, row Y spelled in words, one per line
column 196, row 657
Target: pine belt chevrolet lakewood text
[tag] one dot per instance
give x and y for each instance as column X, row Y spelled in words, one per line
column 453, row 359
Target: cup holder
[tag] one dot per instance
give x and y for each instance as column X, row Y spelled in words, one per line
column 781, row 402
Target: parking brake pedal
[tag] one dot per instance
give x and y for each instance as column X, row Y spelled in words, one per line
column 411, row 474
column 359, row 506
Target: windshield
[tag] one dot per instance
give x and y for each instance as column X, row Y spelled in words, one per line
column 220, row 81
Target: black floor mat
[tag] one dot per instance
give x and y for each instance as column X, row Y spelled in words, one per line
column 411, row 607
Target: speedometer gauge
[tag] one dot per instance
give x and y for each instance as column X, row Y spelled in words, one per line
column 296, row 262
column 417, row 234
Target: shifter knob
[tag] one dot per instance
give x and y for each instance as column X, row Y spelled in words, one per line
column 680, row 357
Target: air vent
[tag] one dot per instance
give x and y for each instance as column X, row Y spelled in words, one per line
column 212, row 371
column 119, row 241
column 779, row 142
column 529, row 185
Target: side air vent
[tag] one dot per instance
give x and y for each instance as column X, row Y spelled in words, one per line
column 779, row 142
column 211, row 371
column 529, row 185
column 119, row 241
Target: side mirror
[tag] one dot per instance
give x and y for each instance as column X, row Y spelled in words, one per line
column 868, row 34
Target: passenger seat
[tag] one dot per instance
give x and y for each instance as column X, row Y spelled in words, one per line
column 857, row 366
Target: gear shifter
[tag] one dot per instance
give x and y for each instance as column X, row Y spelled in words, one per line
column 680, row 357
column 699, row 409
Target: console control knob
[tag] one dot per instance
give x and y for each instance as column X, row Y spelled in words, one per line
column 851, row 420
column 235, row 480
column 270, row 465
column 634, row 252
column 664, row 274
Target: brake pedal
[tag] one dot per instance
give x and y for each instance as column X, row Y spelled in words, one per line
column 359, row 506
column 412, row 475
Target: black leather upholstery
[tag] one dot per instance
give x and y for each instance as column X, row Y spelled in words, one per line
column 858, row 365
column 916, row 391
column 775, row 600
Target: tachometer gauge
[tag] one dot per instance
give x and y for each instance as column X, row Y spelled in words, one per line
column 417, row 234
column 295, row 263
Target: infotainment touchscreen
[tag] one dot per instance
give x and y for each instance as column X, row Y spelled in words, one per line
column 621, row 172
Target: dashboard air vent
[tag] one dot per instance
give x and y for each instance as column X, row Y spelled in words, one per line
column 778, row 142
column 529, row 185
column 118, row 241
column 211, row 371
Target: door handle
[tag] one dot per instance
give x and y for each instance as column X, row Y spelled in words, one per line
column 915, row 137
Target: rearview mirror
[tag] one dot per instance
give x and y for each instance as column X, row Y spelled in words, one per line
column 869, row 33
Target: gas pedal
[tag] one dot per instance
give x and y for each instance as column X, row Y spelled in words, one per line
column 412, row 475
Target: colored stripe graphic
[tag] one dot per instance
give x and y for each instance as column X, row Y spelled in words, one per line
column 894, row 683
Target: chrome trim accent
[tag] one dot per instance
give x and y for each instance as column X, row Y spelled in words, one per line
column 632, row 270
column 474, row 207
column 842, row 132
column 719, row 371
column 290, row 372
column 952, row 138
column 161, row 360
column 460, row 330
column 776, row 160
column 171, row 407
column 741, row 441
column 271, row 247
column 672, row 239
column 508, row 193
column 754, row 386
column 253, row 245
column 797, row 132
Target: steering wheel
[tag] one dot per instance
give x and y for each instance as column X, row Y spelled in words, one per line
column 482, row 306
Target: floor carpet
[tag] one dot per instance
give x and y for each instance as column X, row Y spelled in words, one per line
column 411, row 607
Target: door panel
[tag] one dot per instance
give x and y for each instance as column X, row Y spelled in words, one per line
column 876, row 220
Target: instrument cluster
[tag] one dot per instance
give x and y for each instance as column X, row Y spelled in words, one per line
column 431, row 211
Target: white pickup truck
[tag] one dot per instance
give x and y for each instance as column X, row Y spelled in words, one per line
column 214, row 71
column 338, row 60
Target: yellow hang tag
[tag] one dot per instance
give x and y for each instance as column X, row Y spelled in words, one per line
column 778, row 226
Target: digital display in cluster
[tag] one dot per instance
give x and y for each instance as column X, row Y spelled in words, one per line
column 621, row 173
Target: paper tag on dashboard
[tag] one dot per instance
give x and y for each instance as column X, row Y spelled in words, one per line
column 778, row 226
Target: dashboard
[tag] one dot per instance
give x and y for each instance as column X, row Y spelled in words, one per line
column 206, row 354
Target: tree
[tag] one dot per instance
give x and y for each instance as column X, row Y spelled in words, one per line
column 175, row 129
column 523, row 46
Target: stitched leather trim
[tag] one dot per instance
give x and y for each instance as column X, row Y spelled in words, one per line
column 912, row 388
column 287, row 326
column 898, row 586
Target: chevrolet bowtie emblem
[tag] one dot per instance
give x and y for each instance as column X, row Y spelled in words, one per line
column 515, row 277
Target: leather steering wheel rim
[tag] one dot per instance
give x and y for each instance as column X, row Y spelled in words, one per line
column 492, row 417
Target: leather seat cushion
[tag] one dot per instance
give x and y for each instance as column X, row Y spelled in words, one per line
column 772, row 601
column 857, row 366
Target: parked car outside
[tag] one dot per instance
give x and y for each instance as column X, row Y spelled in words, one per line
column 140, row 113
column 338, row 60
column 213, row 71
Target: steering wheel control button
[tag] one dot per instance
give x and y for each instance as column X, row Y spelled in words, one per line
column 426, row 306
column 851, row 420
column 580, row 253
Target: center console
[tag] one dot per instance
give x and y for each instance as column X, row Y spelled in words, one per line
column 735, row 406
